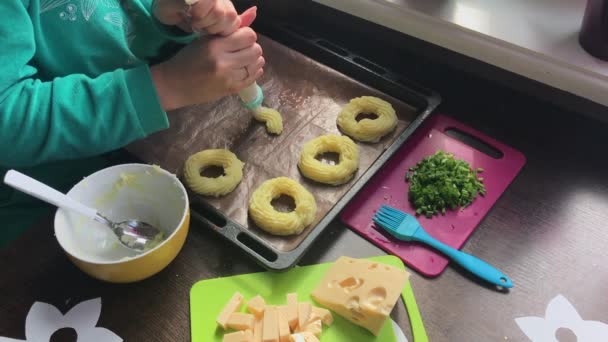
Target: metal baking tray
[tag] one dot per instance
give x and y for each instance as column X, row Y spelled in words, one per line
column 309, row 95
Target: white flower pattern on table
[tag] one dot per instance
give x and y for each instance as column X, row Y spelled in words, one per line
column 561, row 314
column 43, row 320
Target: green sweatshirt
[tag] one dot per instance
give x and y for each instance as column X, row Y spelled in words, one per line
column 74, row 83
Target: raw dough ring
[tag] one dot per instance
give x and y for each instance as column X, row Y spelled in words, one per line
column 272, row 118
column 233, row 172
column 279, row 223
column 367, row 130
column 326, row 173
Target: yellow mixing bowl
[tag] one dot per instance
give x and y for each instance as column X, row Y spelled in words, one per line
column 130, row 191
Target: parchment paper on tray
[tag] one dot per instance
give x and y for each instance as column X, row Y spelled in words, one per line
column 308, row 95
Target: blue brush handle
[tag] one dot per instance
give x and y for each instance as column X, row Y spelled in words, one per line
column 475, row 265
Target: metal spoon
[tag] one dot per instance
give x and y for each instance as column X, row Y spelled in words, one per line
column 133, row 234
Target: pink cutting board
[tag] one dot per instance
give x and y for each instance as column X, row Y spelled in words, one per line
column 388, row 186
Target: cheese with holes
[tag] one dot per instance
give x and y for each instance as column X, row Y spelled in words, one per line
column 292, row 310
column 323, row 314
column 256, row 306
column 231, row 307
column 284, row 330
column 239, row 336
column 304, row 310
column 240, row 321
column 270, row 329
column 303, row 337
column 257, row 329
column 362, row 291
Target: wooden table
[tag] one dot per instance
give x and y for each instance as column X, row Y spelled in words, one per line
column 548, row 232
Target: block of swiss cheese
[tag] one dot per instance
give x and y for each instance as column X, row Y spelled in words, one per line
column 362, row 291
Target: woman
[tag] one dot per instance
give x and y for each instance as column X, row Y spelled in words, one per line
column 78, row 79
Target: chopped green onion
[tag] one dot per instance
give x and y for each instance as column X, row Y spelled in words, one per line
column 439, row 182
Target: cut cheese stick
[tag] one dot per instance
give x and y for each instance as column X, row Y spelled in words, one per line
column 256, row 305
column 303, row 337
column 258, row 329
column 323, row 314
column 298, row 337
column 270, row 329
column 240, row 321
column 231, row 307
column 284, row 330
column 239, row 336
column 314, row 327
column 304, row 310
column 292, row 310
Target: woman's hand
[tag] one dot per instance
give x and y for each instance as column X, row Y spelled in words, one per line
column 216, row 17
column 209, row 69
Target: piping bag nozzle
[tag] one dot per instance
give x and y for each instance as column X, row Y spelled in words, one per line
column 252, row 96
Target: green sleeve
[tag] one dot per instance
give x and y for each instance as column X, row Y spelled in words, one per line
column 68, row 117
column 171, row 33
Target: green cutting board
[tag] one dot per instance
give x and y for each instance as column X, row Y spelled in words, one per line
column 208, row 297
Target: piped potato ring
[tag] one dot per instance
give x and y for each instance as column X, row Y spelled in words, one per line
column 275, row 222
column 367, row 130
column 272, row 118
column 325, row 173
column 222, row 185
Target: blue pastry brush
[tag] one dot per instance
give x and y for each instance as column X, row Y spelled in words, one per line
column 405, row 227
